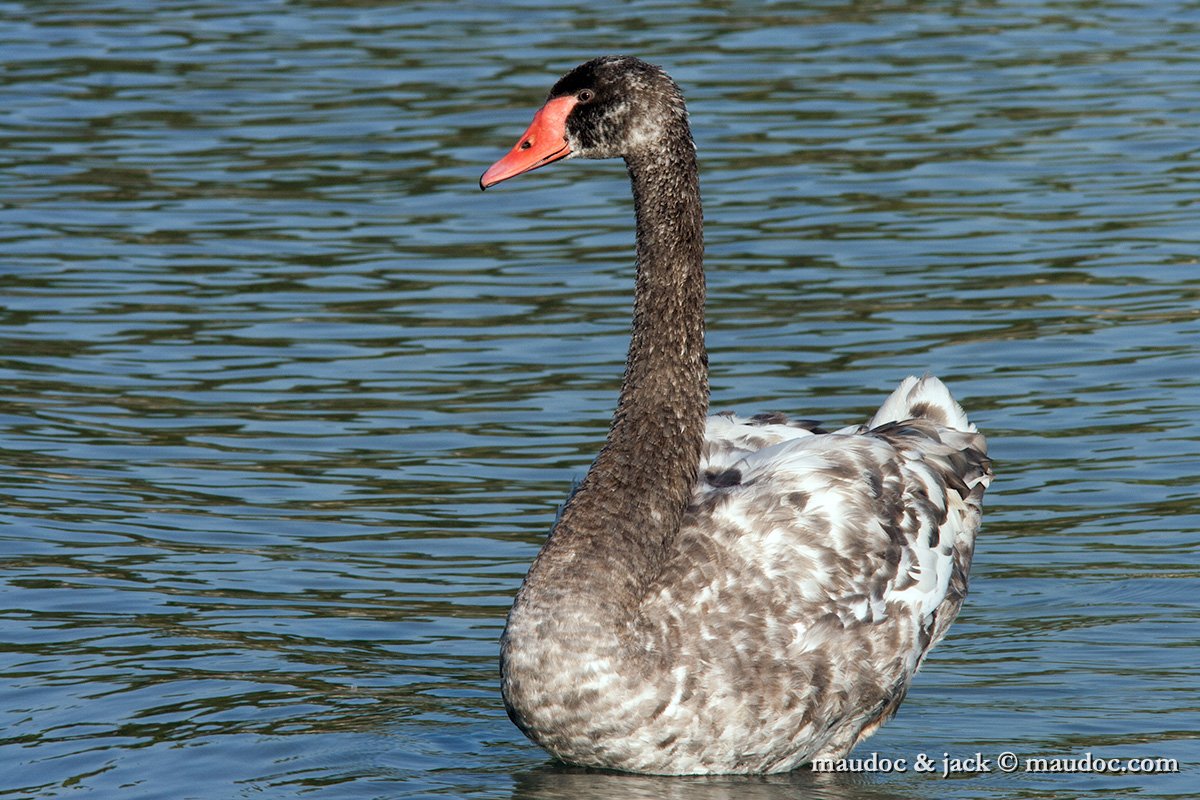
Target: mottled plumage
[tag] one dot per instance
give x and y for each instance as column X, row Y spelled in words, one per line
column 726, row 595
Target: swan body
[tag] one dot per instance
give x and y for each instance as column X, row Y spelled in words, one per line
column 720, row 594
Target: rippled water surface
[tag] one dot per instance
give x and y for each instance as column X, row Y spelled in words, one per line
column 288, row 405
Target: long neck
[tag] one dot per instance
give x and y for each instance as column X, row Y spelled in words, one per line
column 611, row 536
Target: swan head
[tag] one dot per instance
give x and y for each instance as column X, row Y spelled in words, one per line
column 609, row 107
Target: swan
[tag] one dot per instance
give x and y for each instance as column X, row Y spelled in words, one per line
column 723, row 594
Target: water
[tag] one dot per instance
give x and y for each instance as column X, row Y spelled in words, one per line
column 289, row 405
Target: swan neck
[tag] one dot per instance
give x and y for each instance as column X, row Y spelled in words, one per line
column 611, row 536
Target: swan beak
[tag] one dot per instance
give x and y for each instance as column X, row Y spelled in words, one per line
column 544, row 142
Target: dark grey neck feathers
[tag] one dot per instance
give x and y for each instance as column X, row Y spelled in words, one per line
column 611, row 536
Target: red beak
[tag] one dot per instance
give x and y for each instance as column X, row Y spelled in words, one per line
column 544, row 142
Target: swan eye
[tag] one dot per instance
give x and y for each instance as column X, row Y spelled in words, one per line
column 586, row 96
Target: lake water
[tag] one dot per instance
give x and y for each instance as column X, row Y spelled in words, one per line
column 288, row 404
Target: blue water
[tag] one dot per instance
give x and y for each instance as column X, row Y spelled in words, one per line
column 288, row 405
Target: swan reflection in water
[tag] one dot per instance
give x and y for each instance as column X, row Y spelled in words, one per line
column 563, row 782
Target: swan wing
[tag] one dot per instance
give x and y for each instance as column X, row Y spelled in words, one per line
column 814, row 571
column 851, row 521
